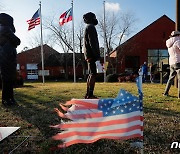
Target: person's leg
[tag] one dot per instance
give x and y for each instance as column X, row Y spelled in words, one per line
column 92, row 84
column 7, row 92
column 88, row 85
column 178, row 75
column 91, row 79
column 170, row 80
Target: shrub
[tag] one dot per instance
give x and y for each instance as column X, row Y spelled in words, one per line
column 112, row 78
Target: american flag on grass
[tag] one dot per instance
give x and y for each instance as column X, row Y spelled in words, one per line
column 35, row 20
column 93, row 119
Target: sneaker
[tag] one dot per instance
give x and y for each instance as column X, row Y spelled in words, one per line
column 166, row 95
column 86, row 96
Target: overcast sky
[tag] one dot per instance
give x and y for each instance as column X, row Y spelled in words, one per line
column 146, row 11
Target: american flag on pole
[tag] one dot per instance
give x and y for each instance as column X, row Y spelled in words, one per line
column 65, row 17
column 118, row 118
column 35, row 20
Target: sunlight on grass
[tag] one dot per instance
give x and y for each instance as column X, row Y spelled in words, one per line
column 35, row 114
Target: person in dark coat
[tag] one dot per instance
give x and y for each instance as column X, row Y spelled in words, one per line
column 8, row 44
column 91, row 51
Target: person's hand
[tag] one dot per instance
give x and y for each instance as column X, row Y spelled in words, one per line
column 88, row 60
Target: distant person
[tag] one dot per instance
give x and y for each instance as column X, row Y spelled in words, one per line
column 144, row 71
column 91, row 51
column 152, row 71
column 173, row 45
column 8, row 43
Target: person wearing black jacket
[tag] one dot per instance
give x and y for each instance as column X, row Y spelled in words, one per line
column 8, row 44
column 91, row 51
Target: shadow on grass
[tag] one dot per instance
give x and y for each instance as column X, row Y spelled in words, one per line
column 159, row 127
column 34, row 115
column 162, row 112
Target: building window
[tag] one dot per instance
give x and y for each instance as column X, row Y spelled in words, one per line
column 32, row 71
column 158, row 56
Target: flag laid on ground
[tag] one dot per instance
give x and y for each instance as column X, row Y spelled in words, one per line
column 35, row 20
column 93, row 119
column 65, row 17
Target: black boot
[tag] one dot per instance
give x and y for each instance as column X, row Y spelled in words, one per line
column 13, row 101
column 7, row 102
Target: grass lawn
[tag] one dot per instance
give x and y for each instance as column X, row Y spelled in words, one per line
column 35, row 114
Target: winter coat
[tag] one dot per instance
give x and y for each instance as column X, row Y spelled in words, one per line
column 173, row 45
column 8, row 43
column 91, row 43
column 144, row 69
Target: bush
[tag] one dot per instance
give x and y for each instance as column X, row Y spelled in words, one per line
column 127, row 78
column 112, row 78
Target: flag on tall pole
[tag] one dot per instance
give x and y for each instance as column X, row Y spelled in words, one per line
column 65, row 17
column 35, row 20
column 74, row 62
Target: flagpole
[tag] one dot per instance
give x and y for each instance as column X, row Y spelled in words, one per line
column 104, row 43
column 42, row 52
column 74, row 62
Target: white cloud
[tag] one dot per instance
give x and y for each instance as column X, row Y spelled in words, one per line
column 112, row 6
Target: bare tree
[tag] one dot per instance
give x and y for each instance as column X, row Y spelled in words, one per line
column 80, row 35
column 126, row 27
column 62, row 36
column 117, row 27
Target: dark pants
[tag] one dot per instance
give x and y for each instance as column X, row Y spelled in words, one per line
column 172, row 75
column 91, row 79
column 7, row 90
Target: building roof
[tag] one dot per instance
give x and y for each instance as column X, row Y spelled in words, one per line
column 60, row 59
column 34, row 55
column 51, row 57
column 163, row 19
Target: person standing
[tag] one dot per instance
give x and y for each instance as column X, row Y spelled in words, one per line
column 173, row 45
column 145, row 71
column 8, row 43
column 91, row 51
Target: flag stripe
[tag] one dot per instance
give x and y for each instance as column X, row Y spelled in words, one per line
column 101, row 119
column 81, row 116
column 35, row 20
column 97, row 124
column 87, row 104
column 95, row 133
column 110, row 127
column 65, row 17
column 79, row 139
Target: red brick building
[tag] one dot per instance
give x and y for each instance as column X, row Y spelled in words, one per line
column 148, row 45
column 55, row 64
